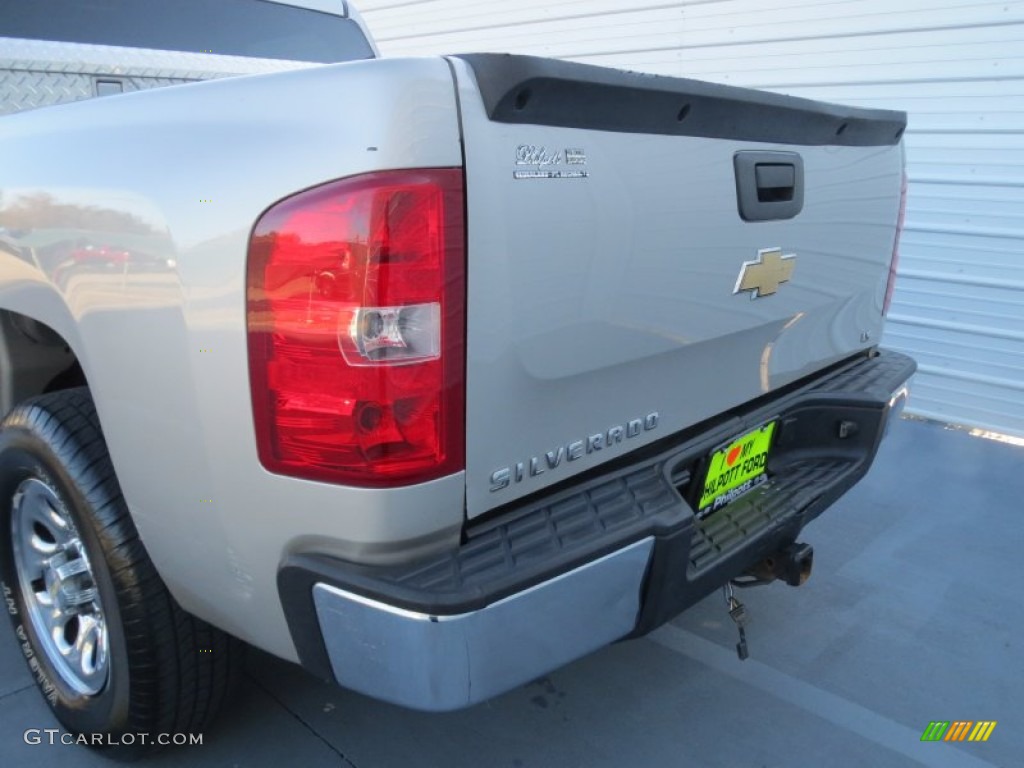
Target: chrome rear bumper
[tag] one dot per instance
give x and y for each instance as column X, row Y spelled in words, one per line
column 897, row 404
column 441, row 663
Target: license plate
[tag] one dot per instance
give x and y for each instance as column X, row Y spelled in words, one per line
column 736, row 469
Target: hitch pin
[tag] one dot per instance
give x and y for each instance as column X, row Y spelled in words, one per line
column 738, row 613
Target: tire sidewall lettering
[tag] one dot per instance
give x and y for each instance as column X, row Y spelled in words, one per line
column 49, row 690
column 12, row 604
column 46, row 686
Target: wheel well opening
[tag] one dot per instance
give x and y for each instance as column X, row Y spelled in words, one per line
column 34, row 360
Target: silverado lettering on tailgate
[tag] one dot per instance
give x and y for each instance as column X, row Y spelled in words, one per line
column 577, row 449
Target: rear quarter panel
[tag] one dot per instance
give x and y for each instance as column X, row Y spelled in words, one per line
column 171, row 182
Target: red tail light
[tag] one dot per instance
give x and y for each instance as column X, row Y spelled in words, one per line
column 891, row 283
column 355, row 308
column 90, row 254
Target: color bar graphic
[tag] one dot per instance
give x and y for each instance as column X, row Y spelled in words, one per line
column 959, row 730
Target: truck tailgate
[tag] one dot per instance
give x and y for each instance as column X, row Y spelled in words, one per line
column 646, row 252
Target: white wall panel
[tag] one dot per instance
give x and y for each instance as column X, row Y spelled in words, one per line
column 957, row 68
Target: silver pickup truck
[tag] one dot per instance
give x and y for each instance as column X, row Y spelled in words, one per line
column 431, row 375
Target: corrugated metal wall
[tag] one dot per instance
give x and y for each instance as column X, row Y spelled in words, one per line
column 957, row 67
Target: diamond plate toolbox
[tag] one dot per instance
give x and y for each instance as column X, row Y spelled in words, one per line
column 38, row 73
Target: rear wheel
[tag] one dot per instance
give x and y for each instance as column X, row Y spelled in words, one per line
column 108, row 646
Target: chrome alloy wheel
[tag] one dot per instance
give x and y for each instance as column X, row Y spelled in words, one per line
column 58, row 588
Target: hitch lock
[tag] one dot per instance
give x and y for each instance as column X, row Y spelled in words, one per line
column 738, row 613
column 792, row 564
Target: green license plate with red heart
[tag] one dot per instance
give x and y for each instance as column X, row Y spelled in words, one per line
column 736, row 469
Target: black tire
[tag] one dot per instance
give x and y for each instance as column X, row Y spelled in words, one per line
column 167, row 671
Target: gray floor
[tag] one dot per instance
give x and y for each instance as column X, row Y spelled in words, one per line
column 914, row 614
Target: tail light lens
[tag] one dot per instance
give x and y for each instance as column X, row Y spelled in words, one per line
column 891, row 283
column 355, row 310
column 91, row 254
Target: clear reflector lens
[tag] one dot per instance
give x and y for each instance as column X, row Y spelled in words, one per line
column 391, row 335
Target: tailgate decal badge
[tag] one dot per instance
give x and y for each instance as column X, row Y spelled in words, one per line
column 763, row 276
column 541, row 164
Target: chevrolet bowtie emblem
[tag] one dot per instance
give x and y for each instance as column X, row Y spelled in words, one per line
column 763, row 275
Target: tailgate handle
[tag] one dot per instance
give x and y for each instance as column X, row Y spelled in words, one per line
column 774, row 182
column 769, row 185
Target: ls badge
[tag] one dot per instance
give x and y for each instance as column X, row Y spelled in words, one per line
column 763, row 275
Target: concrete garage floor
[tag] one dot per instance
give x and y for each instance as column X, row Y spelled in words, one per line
column 914, row 614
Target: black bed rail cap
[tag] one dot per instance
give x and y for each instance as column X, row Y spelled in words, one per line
column 542, row 91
